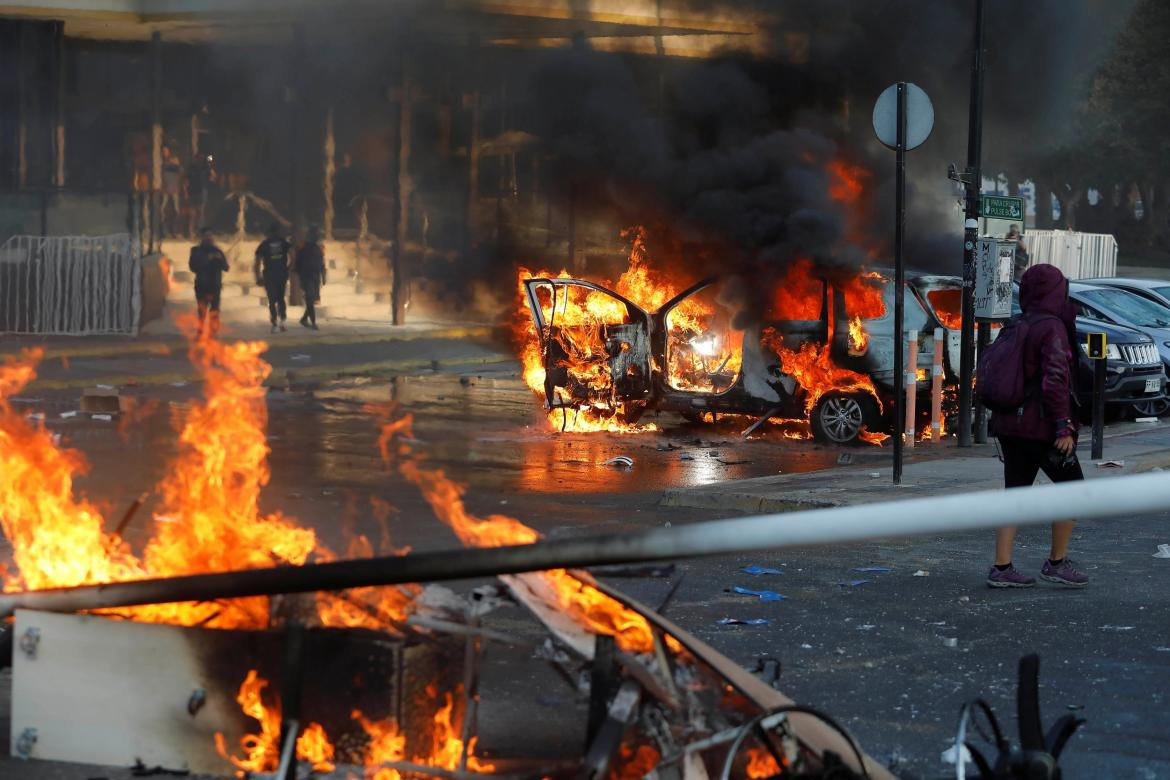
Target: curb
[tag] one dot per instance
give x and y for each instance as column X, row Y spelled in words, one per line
column 283, row 376
column 171, row 346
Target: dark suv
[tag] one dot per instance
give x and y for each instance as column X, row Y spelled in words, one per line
column 1134, row 372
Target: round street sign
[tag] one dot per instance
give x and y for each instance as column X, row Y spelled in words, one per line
column 919, row 116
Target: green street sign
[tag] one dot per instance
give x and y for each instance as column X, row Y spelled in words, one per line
column 1001, row 207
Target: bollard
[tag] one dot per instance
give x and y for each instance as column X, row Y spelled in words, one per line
column 911, row 383
column 936, row 383
column 1098, row 356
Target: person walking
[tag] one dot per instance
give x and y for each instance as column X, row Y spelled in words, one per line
column 310, row 267
column 172, row 189
column 208, row 263
column 1041, row 435
column 271, row 270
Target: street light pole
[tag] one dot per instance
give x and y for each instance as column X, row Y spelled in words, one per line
column 974, row 180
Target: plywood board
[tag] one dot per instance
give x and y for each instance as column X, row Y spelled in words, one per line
column 103, row 691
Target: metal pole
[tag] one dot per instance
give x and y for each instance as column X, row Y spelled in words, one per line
column 297, row 140
column 952, row 513
column 1098, row 408
column 974, row 182
column 899, row 283
column 911, row 383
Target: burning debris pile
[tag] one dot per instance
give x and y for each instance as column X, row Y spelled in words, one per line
column 666, row 699
column 393, row 692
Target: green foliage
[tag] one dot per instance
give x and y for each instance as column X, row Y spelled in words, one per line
column 1127, row 114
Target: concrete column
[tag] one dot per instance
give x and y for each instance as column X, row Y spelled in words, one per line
column 472, row 172
column 297, row 101
column 59, row 105
column 156, row 137
column 22, row 107
column 398, row 286
column 330, row 151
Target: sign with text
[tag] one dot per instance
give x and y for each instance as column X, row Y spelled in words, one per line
column 1001, row 207
column 995, row 263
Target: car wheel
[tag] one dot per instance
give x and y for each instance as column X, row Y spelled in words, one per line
column 1152, row 408
column 839, row 417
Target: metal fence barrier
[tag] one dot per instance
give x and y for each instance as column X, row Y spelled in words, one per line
column 1078, row 255
column 70, row 285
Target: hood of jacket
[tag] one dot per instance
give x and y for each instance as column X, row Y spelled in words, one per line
column 1044, row 290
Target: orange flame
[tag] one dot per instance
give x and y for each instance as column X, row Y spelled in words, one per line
column 872, row 437
column 57, row 540
column 313, row 746
column 209, row 518
column 815, row 371
column 761, row 764
column 262, row 750
column 948, row 307
column 584, row 603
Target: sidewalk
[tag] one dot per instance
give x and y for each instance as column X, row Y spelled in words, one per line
column 338, row 349
column 935, row 470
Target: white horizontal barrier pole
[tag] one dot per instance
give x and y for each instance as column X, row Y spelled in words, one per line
column 1089, row 499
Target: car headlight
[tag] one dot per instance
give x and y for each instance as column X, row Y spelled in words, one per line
column 1111, row 351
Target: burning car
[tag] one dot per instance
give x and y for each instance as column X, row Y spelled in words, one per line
column 821, row 350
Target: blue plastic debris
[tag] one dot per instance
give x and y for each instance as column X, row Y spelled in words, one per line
column 740, row 622
column 852, row 583
column 874, row 569
column 762, row 595
column 758, row 570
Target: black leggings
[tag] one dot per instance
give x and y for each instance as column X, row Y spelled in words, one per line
column 274, row 289
column 1023, row 458
column 312, row 291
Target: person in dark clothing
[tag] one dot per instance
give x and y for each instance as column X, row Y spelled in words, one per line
column 271, row 269
column 1042, row 434
column 310, row 267
column 201, row 182
column 1023, row 260
column 208, row 264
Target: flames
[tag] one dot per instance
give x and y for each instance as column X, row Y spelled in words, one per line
column 386, row 744
column 815, row 371
column 761, row 764
column 948, row 307
column 584, row 603
column 588, row 333
column 57, row 539
column 261, row 751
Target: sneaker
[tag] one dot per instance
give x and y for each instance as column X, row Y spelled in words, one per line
column 1008, row 578
column 274, row 327
column 282, row 328
column 1064, row 574
column 314, row 326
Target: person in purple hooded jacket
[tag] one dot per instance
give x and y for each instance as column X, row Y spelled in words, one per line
column 1042, row 434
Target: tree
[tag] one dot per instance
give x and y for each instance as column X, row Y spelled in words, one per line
column 1128, row 112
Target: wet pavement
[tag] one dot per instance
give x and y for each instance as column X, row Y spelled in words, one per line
column 892, row 657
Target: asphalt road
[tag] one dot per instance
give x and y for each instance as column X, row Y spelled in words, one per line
column 893, row 657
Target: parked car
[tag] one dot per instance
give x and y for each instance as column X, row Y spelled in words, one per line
column 1156, row 290
column 666, row 360
column 1134, row 373
column 1121, row 307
